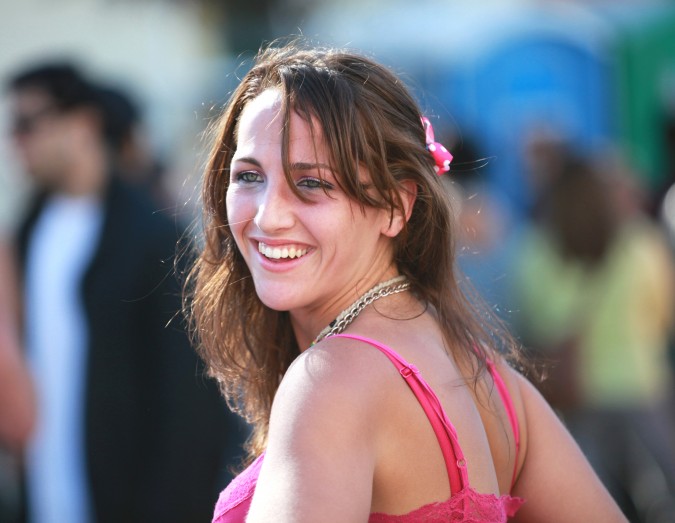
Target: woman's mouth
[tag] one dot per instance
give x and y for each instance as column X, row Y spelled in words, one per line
column 279, row 252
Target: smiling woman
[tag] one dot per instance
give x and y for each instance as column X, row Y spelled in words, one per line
column 328, row 266
column 325, row 229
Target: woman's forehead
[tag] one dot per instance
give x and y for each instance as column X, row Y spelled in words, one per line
column 262, row 112
column 261, row 124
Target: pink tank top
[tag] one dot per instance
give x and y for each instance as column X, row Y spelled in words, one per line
column 465, row 504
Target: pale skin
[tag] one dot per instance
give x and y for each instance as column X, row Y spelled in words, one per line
column 347, row 437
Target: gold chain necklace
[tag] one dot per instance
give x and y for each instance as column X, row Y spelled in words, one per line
column 386, row 288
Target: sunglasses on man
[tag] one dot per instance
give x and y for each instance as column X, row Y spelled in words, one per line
column 24, row 124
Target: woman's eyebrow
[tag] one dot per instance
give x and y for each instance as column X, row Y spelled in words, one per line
column 295, row 166
column 305, row 166
column 247, row 159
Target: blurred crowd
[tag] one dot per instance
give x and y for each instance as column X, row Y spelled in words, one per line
column 586, row 280
column 106, row 414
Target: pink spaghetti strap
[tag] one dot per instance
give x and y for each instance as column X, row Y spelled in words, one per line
column 445, row 432
column 510, row 411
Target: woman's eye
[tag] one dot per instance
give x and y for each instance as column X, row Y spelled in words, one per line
column 248, row 177
column 315, row 183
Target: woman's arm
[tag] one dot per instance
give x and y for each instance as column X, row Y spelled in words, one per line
column 556, row 480
column 320, row 456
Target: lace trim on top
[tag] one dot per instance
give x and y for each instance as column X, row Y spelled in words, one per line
column 234, row 502
column 465, row 506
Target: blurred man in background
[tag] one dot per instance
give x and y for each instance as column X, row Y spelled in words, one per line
column 134, row 159
column 128, row 429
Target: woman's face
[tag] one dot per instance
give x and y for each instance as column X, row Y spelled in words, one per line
column 311, row 255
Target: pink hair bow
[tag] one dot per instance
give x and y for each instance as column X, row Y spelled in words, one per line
column 441, row 155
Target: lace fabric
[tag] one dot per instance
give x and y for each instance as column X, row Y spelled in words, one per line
column 234, row 502
column 465, row 506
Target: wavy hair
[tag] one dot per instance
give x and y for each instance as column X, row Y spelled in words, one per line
column 369, row 119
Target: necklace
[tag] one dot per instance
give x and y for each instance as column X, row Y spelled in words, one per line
column 339, row 324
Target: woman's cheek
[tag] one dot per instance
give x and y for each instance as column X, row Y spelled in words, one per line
column 241, row 212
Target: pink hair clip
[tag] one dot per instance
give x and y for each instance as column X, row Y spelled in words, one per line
column 441, row 155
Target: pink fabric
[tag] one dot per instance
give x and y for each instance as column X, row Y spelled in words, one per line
column 465, row 505
column 510, row 411
column 234, row 502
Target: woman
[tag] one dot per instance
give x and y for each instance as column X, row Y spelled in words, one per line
column 327, row 227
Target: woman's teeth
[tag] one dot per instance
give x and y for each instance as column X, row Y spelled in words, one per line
column 277, row 253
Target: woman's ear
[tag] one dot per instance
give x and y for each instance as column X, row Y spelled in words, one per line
column 408, row 195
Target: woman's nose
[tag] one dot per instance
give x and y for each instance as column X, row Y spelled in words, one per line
column 276, row 208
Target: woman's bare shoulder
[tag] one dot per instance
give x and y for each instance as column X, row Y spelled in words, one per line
column 553, row 475
column 322, row 432
column 340, row 366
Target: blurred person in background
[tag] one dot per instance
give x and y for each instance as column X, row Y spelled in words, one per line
column 133, row 157
column 17, row 401
column 128, row 429
column 595, row 289
column 17, row 397
column 545, row 153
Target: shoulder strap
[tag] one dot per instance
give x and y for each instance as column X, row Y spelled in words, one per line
column 510, row 411
column 445, row 432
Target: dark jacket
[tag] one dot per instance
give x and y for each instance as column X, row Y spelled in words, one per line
column 158, row 436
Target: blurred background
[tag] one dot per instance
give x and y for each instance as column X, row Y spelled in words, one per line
column 561, row 117
column 590, row 73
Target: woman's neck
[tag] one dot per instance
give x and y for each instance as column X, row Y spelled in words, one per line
column 308, row 323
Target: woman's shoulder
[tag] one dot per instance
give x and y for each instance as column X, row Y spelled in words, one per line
column 363, row 360
column 328, row 408
column 518, row 389
column 338, row 365
column 339, row 378
column 547, row 449
column 517, row 385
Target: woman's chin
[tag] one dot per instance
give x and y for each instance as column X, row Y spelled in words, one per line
column 276, row 301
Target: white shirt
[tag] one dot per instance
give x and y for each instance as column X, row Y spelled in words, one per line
column 60, row 249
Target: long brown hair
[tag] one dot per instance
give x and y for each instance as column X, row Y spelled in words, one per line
column 368, row 118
